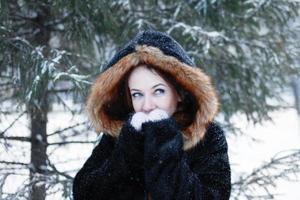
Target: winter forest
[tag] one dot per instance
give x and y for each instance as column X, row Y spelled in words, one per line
column 51, row 51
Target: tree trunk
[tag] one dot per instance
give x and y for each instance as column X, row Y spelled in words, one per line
column 38, row 118
column 38, row 109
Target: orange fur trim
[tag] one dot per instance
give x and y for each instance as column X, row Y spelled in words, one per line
column 192, row 79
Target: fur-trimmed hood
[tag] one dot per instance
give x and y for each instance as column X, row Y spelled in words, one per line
column 164, row 53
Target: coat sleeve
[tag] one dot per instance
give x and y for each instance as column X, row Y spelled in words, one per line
column 108, row 170
column 171, row 173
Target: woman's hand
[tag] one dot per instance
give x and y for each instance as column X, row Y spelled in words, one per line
column 157, row 115
column 140, row 117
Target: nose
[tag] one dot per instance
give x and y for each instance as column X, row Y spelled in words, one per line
column 148, row 105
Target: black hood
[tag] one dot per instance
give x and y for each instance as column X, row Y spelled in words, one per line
column 156, row 39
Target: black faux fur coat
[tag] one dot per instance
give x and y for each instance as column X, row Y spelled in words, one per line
column 162, row 161
column 151, row 164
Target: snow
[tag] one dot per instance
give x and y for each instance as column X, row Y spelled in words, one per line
column 244, row 153
column 271, row 138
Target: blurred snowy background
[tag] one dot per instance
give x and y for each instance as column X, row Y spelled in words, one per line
column 51, row 51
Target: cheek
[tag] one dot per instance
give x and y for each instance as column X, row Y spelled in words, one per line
column 136, row 106
column 169, row 104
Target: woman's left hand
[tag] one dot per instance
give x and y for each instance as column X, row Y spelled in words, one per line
column 138, row 119
column 157, row 115
column 162, row 134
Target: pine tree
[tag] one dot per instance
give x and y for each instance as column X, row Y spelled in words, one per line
column 49, row 48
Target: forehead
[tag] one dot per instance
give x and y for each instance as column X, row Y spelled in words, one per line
column 143, row 76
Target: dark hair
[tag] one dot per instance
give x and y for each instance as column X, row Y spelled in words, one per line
column 121, row 104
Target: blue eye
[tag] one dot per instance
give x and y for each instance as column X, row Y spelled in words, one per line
column 159, row 91
column 136, row 94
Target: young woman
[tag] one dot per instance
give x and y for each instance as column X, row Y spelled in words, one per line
column 156, row 111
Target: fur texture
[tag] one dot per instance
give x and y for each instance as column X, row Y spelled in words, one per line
column 136, row 166
column 161, row 161
column 192, row 79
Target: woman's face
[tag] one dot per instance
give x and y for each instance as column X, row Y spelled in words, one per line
column 149, row 91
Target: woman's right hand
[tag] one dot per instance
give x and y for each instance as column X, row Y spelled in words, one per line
column 138, row 119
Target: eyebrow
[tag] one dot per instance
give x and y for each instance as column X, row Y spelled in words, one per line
column 152, row 87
